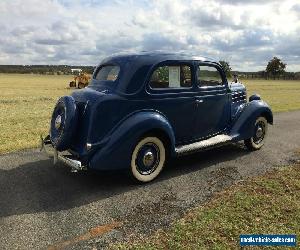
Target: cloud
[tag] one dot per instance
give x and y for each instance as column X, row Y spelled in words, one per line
column 50, row 41
column 83, row 32
column 296, row 9
column 257, row 2
column 159, row 41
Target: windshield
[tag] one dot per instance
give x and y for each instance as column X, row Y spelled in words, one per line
column 108, row 73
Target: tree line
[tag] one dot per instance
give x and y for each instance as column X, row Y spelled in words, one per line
column 275, row 69
column 44, row 69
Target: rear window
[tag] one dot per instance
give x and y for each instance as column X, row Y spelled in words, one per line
column 108, row 73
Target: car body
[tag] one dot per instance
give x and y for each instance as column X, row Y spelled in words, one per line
column 183, row 103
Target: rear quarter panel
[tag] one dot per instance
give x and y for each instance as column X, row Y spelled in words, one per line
column 116, row 154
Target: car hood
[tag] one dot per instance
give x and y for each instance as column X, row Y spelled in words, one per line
column 237, row 87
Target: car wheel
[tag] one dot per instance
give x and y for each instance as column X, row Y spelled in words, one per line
column 260, row 133
column 81, row 85
column 148, row 159
column 63, row 123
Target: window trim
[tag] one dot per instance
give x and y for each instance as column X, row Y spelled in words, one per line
column 105, row 65
column 171, row 90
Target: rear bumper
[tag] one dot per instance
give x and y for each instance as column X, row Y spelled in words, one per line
column 64, row 157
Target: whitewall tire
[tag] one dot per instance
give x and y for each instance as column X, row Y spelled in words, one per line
column 260, row 133
column 147, row 159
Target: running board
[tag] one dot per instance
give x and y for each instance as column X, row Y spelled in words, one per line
column 201, row 145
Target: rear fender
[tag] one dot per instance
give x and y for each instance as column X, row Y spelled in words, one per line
column 243, row 126
column 116, row 153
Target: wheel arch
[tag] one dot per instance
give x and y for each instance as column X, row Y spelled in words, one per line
column 123, row 139
column 268, row 115
column 163, row 136
column 243, row 126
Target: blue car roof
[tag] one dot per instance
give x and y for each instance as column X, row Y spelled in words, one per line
column 136, row 66
column 155, row 57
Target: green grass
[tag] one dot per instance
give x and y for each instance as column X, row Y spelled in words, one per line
column 265, row 205
column 280, row 95
column 27, row 101
column 26, row 104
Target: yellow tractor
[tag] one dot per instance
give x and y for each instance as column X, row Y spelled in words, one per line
column 80, row 81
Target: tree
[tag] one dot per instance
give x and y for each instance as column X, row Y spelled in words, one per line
column 226, row 67
column 275, row 67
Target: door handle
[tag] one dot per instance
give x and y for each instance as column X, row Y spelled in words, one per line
column 199, row 100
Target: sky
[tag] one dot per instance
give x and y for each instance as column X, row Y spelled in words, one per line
column 247, row 34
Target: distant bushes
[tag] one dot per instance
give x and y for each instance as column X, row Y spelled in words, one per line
column 43, row 69
column 265, row 75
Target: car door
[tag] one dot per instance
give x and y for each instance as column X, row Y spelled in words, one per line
column 172, row 93
column 212, row 101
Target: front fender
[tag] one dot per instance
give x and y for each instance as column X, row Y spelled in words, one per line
column 116, row 153
column 243, row 126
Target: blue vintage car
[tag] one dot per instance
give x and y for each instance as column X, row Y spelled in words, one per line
column 141, row 109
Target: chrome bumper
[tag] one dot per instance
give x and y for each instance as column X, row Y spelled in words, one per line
column 65, row 157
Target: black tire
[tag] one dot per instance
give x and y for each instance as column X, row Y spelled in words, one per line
column 260, row 133
column 72, row 84
column 148, row 159
column 81, row 85
column 63, row 123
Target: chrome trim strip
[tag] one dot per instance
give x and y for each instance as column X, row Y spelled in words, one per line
column 196, row 146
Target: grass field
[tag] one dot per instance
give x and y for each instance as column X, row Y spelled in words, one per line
column 280, row 95
column 268, row 204
column 26, row 103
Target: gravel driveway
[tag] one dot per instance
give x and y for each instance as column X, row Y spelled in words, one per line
column 42, row 206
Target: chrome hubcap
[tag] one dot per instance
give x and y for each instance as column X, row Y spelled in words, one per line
column 259, row 132
column 148, row 159
column 58, row 121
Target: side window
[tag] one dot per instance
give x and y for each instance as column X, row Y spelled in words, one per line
column 172, row 77
column 208, row 76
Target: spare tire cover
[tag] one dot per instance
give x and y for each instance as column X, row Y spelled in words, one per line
column 63, row 123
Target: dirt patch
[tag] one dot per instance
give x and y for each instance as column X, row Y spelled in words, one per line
column 147, row 217
column 221, row 177
column 94, row 232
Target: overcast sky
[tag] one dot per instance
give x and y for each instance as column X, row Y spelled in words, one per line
column 82, row 32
